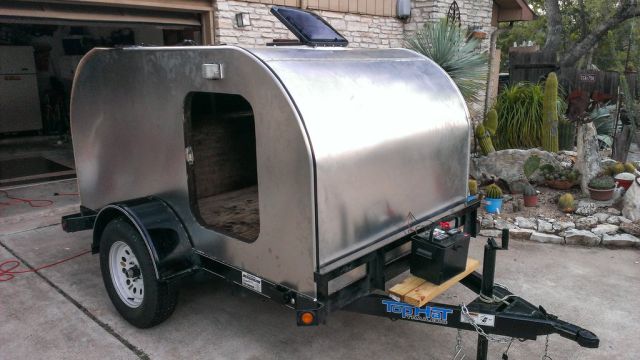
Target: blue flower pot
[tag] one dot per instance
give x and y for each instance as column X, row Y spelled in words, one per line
column 492, row 205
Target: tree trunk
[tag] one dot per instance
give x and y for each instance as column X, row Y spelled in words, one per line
column 627, row 10
column 554, row 26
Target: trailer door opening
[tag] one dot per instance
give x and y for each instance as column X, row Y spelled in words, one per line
column 220, row 129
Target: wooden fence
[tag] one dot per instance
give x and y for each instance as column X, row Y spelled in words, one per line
column 534, row 66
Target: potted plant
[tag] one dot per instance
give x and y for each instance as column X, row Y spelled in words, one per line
column 473, row 190
column 624, row 180
column 560, row 179
column 601, row 187
column 493, row 199
column 566, row 203
column 530, row 196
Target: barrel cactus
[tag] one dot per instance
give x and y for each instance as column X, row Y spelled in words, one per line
column 491, row 122
column 550, row 114
column 617, row 168
column 473, row 187
column 484, row 140
column 566, row 134
column 566, row 202
column 529, row 191
column 494, row 192
column 629, row 167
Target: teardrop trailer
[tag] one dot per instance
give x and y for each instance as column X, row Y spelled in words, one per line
column 311, row 175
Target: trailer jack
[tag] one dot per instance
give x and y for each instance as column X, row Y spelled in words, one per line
column 496, row 311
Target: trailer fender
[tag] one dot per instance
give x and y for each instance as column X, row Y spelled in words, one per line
column 168, row 242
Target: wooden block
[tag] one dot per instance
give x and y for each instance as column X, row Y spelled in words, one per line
column 428, row 291
column 409, row 283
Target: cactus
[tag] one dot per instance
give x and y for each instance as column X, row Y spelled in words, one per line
column 565, row 202
column 566, row 134
column 484, row 140
column 491, row 122
column 529, row 191
column 531, row 165
column 617, row 168
column 473, row 187
column 602, row 183
column 630, row 167
column 494, row 192
column 550, row 114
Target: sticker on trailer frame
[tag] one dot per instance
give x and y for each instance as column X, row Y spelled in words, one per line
column 479, row 319
column 431, row 314
column 252, row 282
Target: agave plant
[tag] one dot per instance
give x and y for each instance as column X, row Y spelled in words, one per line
column 447, row 45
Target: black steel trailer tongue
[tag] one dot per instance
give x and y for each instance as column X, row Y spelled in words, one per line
column 496, row 311
column 497, row 315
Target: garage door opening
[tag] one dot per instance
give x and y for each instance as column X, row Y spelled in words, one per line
column 223, row 176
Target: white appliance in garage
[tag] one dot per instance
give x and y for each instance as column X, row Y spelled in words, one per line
column 19, row 100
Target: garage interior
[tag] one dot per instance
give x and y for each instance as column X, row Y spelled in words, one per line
column 40, row 48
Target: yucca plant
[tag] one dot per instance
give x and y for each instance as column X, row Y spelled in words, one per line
column 447, row 45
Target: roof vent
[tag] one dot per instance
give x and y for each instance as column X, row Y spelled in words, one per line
column 309, row 28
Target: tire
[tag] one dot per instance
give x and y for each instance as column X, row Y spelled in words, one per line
column 133, row 287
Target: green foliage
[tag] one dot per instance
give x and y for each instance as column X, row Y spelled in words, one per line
column 491, row 122
column 550, row 114
column 519, row 108
column 531, row 165
column 493, row 191
column 566, row 202
column 609, row 54
column 447, row 45
column 484, row 140
column 473, row 187
column 602, row 182
column 529, row 191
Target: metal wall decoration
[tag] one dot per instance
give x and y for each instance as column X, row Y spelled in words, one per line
column 453, row 16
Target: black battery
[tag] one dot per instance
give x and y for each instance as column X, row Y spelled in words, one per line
column 437, row 256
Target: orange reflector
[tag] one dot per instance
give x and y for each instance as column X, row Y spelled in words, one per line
column 306, row 318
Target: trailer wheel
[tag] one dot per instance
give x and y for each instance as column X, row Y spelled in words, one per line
column 130, row 279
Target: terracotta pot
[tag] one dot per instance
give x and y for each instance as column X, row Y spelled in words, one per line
column 559, row 184
column 601, row 195
column 530, row 200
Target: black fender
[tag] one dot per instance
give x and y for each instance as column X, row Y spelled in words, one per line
column 167, row 240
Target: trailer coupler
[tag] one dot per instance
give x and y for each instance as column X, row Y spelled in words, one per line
column 515, row 317
column 496, row 311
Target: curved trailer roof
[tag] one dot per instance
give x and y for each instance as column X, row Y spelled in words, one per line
column 350, row 144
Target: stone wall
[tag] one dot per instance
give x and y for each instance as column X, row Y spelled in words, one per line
column 365, row 31
column 473, row 13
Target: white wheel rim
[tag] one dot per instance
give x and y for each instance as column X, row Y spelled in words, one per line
column 125, row 274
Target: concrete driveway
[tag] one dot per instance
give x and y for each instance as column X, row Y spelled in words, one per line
column 64, row 311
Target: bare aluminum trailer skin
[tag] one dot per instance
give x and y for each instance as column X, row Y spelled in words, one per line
column 356, row 153
column 350, row 144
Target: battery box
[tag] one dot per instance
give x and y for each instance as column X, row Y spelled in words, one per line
column 439, row 255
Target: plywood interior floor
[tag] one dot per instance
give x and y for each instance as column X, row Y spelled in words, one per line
column 235, row 212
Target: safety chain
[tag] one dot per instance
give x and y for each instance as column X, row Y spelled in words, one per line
column 480, row 331
column 546, row 350
column 459, row 353
column 505, row 354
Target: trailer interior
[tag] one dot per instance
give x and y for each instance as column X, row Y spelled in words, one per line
column 224, row 180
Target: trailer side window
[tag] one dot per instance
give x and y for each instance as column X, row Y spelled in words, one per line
column 224, row 178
